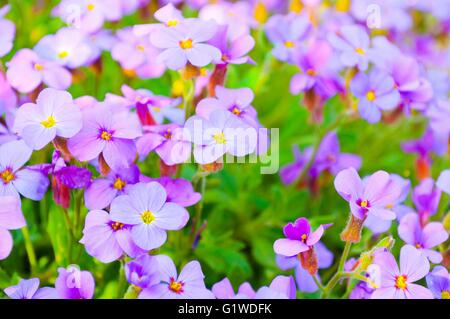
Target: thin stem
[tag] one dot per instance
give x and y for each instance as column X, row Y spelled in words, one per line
column 318, row 283
column 199, row 209
column 70, row 230
column 121, row 283
column 339, row 273
column 30, row 249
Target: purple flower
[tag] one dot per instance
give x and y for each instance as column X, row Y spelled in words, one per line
column 168, row 141
column 376, row 92
column 179, row 190
column 305, row 281
column 8, row 32
column 443, row 181
column 398, row 283
column 234, row 50
column 68, row 47
column 426, row 197
column 29, row 289
column 291, row 172
column 369, row 197
column 146, row 209
column 352, row 42
column 222, row 133
column 186, row 44
column 138, row 54
column 26, row 71
column 439, row 115
column 54, row 114
column 188, row 284
column 423, row 238
column 107, row 240
column 13, row 180
column 102, row 191
column 11, row 217
column 286, row 33
column 299, row 238
column 73, row 283
column 8, row 99
column 438, row 281
column 108, row 133
column 143, row 271
column 169, row 15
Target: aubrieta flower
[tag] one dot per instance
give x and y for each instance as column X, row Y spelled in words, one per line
column 142, row 272
column 286, row 33
column 443, row 181
column 281, row 287
column 91, row 13
column 222, row 133
column 179, row 191
column 398, row 282
column 11, row 217
column 168, row 141
column 188, row 284
column 8, row 99
column 73, row 283
column 352, row 42
column 54, row 114
column 186, row 43
column 146, row 209
column 8, row 32
column 107, row 240
column 438, row 281
column 107, row 133
column 426, row 197
column 102, row 191
column 423, row 238
column 303, row 278
column 423, row 147
column 29, row 289
column 376, row 93
column 136, row 53
column 14, row 179
column 68, row 47
column 169, row 15
column 26, row 71
column 439, row 115
column 369, row 197
column 291, row 172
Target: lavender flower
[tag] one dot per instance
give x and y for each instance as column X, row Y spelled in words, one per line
column 179, row 190
column 443, row 181
column 143, row 272
column 11, row 217
column 233, row 49
column 8, row 32
column 438, row 281
column 29, row 289
column 73, row 283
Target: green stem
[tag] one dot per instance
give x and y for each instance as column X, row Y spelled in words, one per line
column 121, row 283
column 70, row 230
column 318, row 283
column 30, row 249
column 339, row 273
column 199, row 208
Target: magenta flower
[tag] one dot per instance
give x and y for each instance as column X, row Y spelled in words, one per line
column 186, row 44
column 188, row 284
column 352, row 42
column 68, row 47
column 26, row 71
column 11, row 217
column 423, row 238
column 138, row 54
column 376, row 93
column 398, row 282
column 438, row 281
column 443, row 181
column 146, row 209
column 8, row 32
column 299, row 238
column 369, row 197
column 73, row 283
column 102, row 191
column 29, row 289
column 223, row 133
column 30, row 183
column 110, row 134
column 143, row 271
column 107, row 240
column 168, row 141
column 287, row 33
column 54, row 114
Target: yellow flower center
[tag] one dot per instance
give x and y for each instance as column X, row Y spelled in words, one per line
column 49, row 122
column 260, row 13
column 106, row 136
column 364, row 203
column 186, row 44
column 236, row 111
column 360, row 51
column 419, row 246
column 304, row 236
column 390, row 206
column 400, row 282
column 63, row 54
column 140, row 47
column 371, row 96
column 147, row 217
column 156, row 109
column 343, row 5
column 172, row 23
column 119, row 184
column 175, row 286
column 117, row 226
column 7, row 176
column 289, row 44
column 90, row 6
column 38, row 67
column 168, row 134
column 311, row 72
column 445, row 294
column 220, row 138
column 296, row 6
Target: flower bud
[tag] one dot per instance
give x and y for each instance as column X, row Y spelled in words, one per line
column 309, row 261
column 352, row 233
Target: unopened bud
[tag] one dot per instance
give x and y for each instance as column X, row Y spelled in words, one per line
column 352, row 233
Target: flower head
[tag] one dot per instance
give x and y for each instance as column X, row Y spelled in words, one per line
column 29, row 289
column 438, row 281
column 73, row 283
